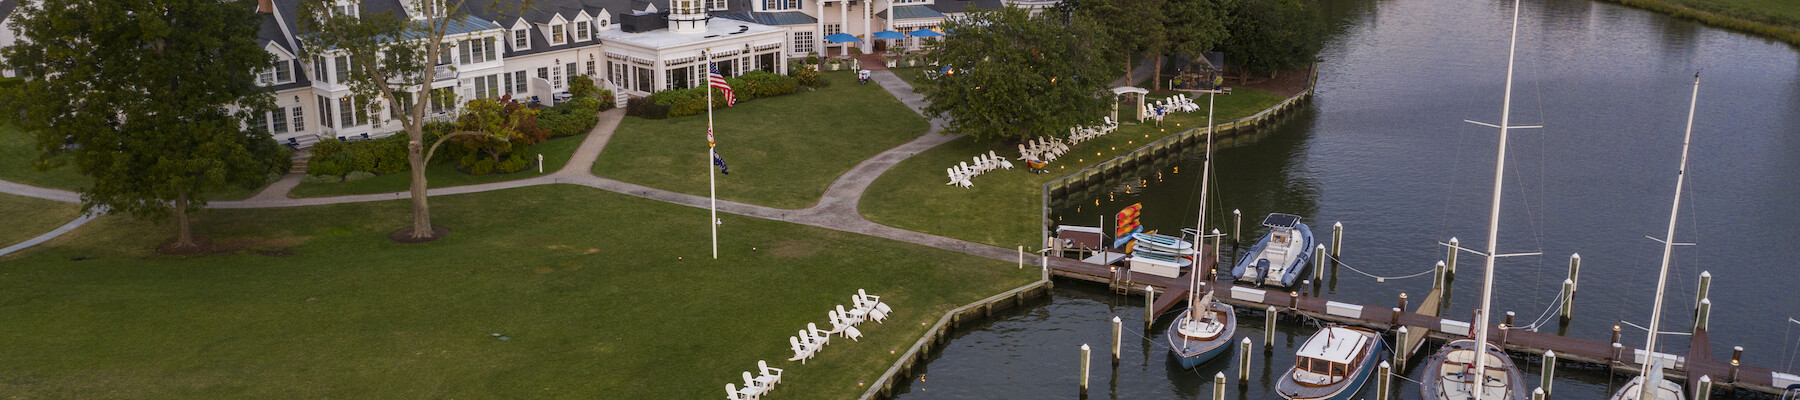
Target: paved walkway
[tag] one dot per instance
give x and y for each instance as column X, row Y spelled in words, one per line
column 836, row 209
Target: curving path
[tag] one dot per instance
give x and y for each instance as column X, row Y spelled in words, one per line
column 836, row 209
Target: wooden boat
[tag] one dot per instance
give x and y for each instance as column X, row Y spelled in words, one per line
column 1197, row 337
column 1206, row 327
column 1450, row 374
column 1333, row 365
column 1281, row 255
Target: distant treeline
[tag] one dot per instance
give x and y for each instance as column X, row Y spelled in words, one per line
column 1742, row 17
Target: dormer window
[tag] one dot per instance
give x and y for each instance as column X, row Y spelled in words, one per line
column 583, row 31
column 558, row 35
column 282, row 73
column 342, row 9
column 521, row 39
column 603, row 23
column 717, row 5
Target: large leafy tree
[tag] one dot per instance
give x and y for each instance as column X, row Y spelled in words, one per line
column 1131, row 27
column 394, row 71
column 1274, row 35
column 1192, row 27
column 148, row 97
column 1018, row 75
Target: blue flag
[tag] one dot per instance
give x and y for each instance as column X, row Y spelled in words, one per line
column 720, row 162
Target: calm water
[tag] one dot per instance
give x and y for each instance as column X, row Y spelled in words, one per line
column 1384, row 150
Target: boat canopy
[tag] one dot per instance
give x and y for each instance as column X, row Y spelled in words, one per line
column 1336, row 344
column 1278, row 220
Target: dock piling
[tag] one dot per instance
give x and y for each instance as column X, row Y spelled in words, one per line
column 1244, row 362
column 1538, row 394
column 1402, row 353
column 1319, row 261
column 1219, row 386
column 1568, row 303
column 1703, row 390
column 1150, row 307
column 1701, row 316
column 1509, row 317
column 1084, row 369
column 1216, row 238
column 1269, row 328
column 1450, row 259
column 1705, row 287
column 1337, row 241
column 1237, row 226
column 1117, row 328
column 1021, row 257
column 1438, row 274
column 1575, row 268
column 1549, row 374
column 1383, row 387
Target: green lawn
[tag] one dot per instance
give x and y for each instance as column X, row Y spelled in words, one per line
column 556, row 153
column 1781, row 12
column 781, row 151
column 28, row 217
column 18, row 150
column 1003, row 207
column 1777, row 19
column 600, row 295
column 914, row 76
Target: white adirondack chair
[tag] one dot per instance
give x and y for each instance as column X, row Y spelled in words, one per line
column 768, row 376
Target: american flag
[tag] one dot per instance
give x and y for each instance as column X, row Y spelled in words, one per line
column 718, row 81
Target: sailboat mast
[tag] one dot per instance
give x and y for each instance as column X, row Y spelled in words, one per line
column 1487, row 274
column 1662, row 277
column 1194, row 310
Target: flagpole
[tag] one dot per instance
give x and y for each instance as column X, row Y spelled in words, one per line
column 712, row 186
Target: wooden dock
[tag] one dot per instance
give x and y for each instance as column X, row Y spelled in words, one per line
column 1172, row 291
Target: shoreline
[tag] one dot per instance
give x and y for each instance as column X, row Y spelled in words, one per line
column 1671, row 8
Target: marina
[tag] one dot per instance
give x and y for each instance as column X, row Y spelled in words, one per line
column 1593, row 183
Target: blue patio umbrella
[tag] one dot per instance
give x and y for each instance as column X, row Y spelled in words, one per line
column 841, row 38
column 926, row 33
column 889, row 35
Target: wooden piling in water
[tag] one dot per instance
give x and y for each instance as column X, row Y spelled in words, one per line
column 1269, row 328
column 1244, row 362
column 1117, row 330
column 1703, row 390
column 1438, row 274
column 1705, row 287
column 1215, row 249
column 1403, row 353
column 1575, row 268
column 1537, row 394
column 1084, row 369
column 1149, row 307
column 1237, row 226
column 1219, row 386
column 1549, row 374
column 1450, row 259
column 1383, row 387
column 1568, row 300
column 1337, row 241
column 1701, row 316
column 1319, row 261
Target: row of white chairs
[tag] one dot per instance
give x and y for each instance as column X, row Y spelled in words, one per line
column 1041, row 149
column 962, row 173
column 1179, row 102
column 1084, row 133
column 755, row 386
column 843, row 322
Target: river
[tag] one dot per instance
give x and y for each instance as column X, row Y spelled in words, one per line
column 1383, row 149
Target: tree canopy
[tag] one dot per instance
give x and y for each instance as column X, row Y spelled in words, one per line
column 1017, row 75
column 150, row 98
column 1274, row 35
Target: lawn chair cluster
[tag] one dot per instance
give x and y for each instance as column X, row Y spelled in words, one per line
column 1084, row 133
column 961, row 173
column 843, row 323
column 1039, row 152
column 755, row 386
column 1178, row 102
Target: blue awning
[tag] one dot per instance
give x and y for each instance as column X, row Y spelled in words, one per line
column 841, row 38
column 926, row 33
column 889, row 35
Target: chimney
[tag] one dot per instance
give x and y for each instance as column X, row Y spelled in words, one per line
column 265, row 6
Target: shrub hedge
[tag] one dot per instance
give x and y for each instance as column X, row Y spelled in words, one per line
column 692, row 101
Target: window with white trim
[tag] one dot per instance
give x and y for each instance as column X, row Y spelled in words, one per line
column 556, row 78
column 717, row 5
column 343, row 70
column 583, row 31
column 521, row 39
column 324, row 112
column 803, row 42
column 833, row 29
column 590, row 69
column 299, row 116
column 557, row 35
column 279, row 121
column 519, row 82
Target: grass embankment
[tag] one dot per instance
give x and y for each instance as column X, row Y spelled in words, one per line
column 1003, row 207
column 18, row 150
column 1777, row 19
column 594, row 303
column 556, row 153
column 29, row 217
column 781, row 151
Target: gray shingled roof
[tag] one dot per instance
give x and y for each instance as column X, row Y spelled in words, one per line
column 7, row 7
column 911, row 12
column 960, row 6
column 769, row 18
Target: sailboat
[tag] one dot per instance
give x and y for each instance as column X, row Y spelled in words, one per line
column 1472, row 368
column 1205, row 329
column 1640, row 387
